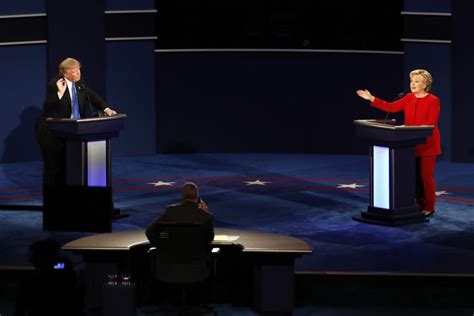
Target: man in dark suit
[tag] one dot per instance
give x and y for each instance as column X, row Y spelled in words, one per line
column 170, row 265
column 191, row 210
column 61, row 93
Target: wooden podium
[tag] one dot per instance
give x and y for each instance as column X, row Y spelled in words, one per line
column 85, row 202
column 392, row 171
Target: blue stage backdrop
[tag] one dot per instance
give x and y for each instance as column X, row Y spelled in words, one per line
column 130, row 89
column 22, row 7
column 83, row 41
column 22, row 92
column 129, row 4
column 130, row 86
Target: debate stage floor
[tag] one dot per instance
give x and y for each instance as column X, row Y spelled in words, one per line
column 311, row 197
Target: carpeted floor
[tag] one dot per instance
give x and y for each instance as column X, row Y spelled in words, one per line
column 312, row 197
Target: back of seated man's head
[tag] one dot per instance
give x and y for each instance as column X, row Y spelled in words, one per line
column 189, row 192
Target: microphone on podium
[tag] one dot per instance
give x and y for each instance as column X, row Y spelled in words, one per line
column 398, row 97
column 82, row 87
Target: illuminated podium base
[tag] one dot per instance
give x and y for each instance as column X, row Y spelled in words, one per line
column 379, row 216
column 392, row 172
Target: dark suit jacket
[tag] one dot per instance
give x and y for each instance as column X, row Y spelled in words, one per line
column 56, row 108
column 186, row 212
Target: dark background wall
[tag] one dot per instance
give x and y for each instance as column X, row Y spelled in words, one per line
column 462, row 69
column 355, row 24
column 268, row 101
column 297, row 95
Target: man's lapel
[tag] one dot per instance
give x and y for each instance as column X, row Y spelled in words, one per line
column 67, row 101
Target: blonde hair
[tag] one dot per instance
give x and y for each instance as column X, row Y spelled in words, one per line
column 426, row 78
column 67, row 64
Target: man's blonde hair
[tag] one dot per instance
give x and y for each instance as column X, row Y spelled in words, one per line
column 426, row 78
column 67, row 64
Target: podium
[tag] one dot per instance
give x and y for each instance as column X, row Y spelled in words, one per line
column 392, row 171
column 84, row 203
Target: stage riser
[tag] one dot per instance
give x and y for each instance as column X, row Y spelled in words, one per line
column 444, row 291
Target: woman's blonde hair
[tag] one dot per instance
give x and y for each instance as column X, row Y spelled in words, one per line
column 67, row 64
column 426, row 77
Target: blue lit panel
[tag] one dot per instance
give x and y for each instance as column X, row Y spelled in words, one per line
column 97, row 164
column 381, row 177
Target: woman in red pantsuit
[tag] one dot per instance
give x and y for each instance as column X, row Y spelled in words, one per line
column 421, row 108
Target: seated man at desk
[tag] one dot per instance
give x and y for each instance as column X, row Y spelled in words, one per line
column 196, row 268
column 191, row 210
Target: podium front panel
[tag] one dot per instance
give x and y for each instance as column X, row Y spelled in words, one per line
column 75, row 163
column 97, row 164
column 381, row 177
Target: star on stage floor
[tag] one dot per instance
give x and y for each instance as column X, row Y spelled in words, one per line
column 349, row 186
column 256, row 182
column 162, row 183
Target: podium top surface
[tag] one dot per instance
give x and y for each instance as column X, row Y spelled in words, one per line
column 388, row 133
column 87, row 129
column 88, row 120
column 391, row 125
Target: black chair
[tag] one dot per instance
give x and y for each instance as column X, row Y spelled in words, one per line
column 181, row 257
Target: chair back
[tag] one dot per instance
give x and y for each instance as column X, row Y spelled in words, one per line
column 182, row 254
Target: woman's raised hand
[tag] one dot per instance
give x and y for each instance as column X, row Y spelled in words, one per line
column 365, row 94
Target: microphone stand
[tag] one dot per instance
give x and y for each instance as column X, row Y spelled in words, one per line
column 89, row 102
column 398, row 97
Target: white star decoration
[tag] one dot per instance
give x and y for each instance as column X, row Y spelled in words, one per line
column 350, row 186
column 161, row 183
column 256, row 182
column 438, row 193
